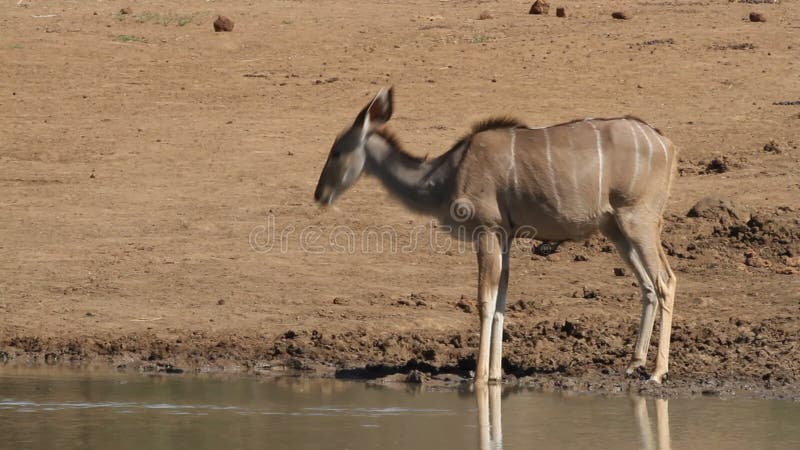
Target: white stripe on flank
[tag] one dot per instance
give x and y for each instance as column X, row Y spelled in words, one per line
column 599, row 165
column 649, row 147
column 574, row 178
column 663, row 147
column 550, row 172
column 512, row 167
column 636, row 156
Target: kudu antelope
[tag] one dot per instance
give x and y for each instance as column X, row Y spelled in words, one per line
column 566, row 181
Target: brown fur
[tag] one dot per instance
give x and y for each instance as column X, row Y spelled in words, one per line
column 493, row 123
column 392, row 139
column 642, row 121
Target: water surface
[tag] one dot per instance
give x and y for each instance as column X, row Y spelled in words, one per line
column 85, row 410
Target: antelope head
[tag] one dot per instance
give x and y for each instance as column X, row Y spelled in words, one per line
column 348, row 156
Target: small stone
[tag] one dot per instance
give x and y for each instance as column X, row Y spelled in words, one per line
column 580, row 258
column 792, row 261
column 221, row 301
column 757, row 17
column 619, row 15
column 619, row 271
column 464, row 305
column 126, row 10
column 560, row 12
column 539, row 7
column 772, row 147
column 223, row 24
column 485, row 15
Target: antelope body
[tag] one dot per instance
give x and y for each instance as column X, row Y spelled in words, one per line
column 566, row 181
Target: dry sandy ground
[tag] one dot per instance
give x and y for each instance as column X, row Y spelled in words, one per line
column 142, row 156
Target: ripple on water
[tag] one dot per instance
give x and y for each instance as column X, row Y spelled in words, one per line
column 179, row 409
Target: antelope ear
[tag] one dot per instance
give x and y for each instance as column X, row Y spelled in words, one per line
column 379, row 110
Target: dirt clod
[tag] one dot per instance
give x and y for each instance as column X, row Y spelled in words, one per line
column 223, row 23
column 619, row 271
column 717, row 165
column 545, row 248
column 589, row 293
column 485, row 15
column 540, row 7
column 464, row 305
column 619, row 15
column 291, row 334
column 772, row 147
column 126, row 10
column 757, row 17
column 561, row 12
column 718, row 208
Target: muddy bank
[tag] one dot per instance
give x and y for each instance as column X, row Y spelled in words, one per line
column 712, row 357
column 717, row 348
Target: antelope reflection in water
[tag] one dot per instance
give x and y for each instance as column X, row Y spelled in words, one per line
column 661, row 440
column 490, row 425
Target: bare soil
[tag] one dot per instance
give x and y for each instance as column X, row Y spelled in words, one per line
column 145, row 159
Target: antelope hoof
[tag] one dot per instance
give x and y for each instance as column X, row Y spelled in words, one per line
column 657, row 378
column 481, row 379
column 633, row 367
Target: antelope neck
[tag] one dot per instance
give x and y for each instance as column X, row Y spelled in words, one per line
column 418, row 183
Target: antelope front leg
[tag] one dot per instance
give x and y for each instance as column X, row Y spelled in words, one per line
column 496, row 355
column 489, row 268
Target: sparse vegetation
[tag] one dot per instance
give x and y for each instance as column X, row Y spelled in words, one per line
column 480, row 39
column 129, row 38
column 733, row 46
column 158, row 18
